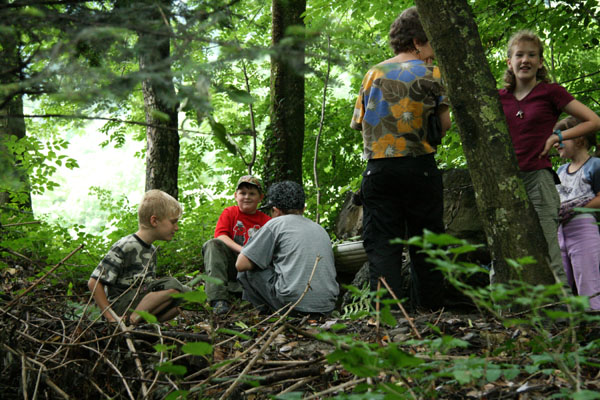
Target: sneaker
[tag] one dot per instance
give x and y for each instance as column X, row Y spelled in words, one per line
column 220, row 307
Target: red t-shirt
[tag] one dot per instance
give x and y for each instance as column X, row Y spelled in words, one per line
column 238, row 225
column 541, row 109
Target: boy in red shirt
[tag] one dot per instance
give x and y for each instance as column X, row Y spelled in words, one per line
column 234, row 227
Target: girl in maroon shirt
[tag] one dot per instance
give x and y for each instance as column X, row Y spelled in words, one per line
column 532, row 106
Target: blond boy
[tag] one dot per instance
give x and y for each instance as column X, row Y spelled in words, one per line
column 125, row 278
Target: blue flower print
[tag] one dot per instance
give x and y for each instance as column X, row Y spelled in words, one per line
column 415, row 69
column 378, row 108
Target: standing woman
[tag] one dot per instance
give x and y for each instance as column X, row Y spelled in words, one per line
column 532, row 106
column 402, row 186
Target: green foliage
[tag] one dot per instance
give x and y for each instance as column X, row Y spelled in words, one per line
column 148, row 317
column 556, row 356
column 197, row 348
column 35, row 159
column 46, row 244
column 170, row 368
column 220, row 66
column 81, row 61
column 197, row 296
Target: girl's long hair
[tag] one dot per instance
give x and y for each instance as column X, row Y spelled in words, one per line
column 523, row 36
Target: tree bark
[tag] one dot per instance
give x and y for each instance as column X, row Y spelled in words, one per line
column 12, row 122
column 162, row 136
column 509, row 219
column 284, row 140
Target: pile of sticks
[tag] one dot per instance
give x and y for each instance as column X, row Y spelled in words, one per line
column 47, row 350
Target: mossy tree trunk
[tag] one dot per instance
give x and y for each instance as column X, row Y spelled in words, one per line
column 509, row 219
column 162, row 136
column 284, row 139
column 12, row 122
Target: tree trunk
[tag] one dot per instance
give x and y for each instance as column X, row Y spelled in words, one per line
column 162, row 136
column 12, row 123
column 509, row 219
column 285, row 139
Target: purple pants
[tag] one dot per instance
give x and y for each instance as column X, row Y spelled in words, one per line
column 579, row 242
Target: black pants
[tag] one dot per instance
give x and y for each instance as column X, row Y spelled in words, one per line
column 401, row 197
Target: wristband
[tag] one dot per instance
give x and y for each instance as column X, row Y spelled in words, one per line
column 558, row 133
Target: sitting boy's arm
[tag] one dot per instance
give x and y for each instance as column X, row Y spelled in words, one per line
column 97, row 289
column 243, row 263
column 230, row 243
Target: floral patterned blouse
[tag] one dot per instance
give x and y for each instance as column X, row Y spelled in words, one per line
column 393, row 105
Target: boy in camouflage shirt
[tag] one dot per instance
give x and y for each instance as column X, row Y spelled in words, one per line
column 125, row 278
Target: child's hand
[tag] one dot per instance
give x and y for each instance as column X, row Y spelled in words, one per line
column 548, row 145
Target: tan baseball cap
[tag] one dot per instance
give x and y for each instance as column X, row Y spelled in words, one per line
column 250, row 179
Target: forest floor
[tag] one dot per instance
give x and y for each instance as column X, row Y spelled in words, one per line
column 51, row 348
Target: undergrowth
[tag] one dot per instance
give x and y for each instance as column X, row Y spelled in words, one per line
column 419, row 367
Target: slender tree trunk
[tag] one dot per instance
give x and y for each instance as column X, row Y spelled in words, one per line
column 284, row 140
column 12, row 123
column 162, row 136
column 509, row 219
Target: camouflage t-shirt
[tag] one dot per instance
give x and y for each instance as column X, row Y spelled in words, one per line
column 130, row 260
column 393, row 106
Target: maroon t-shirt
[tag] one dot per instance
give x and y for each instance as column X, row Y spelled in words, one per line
column 540, row 111
column 238, row 225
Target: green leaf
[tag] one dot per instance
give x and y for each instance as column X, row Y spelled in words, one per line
column 337, row 327
column 462, row 376
column 556, row 314
column 467, row 248
column 441, row 239
column 221, row 135
column 33, row 12
column 530, row 369
column 511, row 373
column 177, row 395
column 586, row 210
column 241, row 324
column 156, row 114
column 196, row 296
column 401, row 359
column 197, row 348
column 586, row 395
column 240, row 96
column 539, row 359
column 387, row 317
column 170, row 368
column 493, row 374
column 163, row 347
column 234, row 333
column 210, row 279
column 149, row 318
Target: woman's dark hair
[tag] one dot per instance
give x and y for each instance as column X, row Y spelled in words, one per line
column 406, row 28
column 524, row 36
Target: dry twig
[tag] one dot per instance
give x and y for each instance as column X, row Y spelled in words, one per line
column 406, row 316
column 30, row 288
column 273, row 335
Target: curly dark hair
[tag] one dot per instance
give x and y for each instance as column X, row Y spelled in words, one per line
column 524, row 36
column 406, row 28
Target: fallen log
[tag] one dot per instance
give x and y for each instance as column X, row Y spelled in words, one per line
column 349, row 256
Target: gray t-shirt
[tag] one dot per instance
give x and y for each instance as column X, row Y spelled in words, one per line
column 290, row 244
